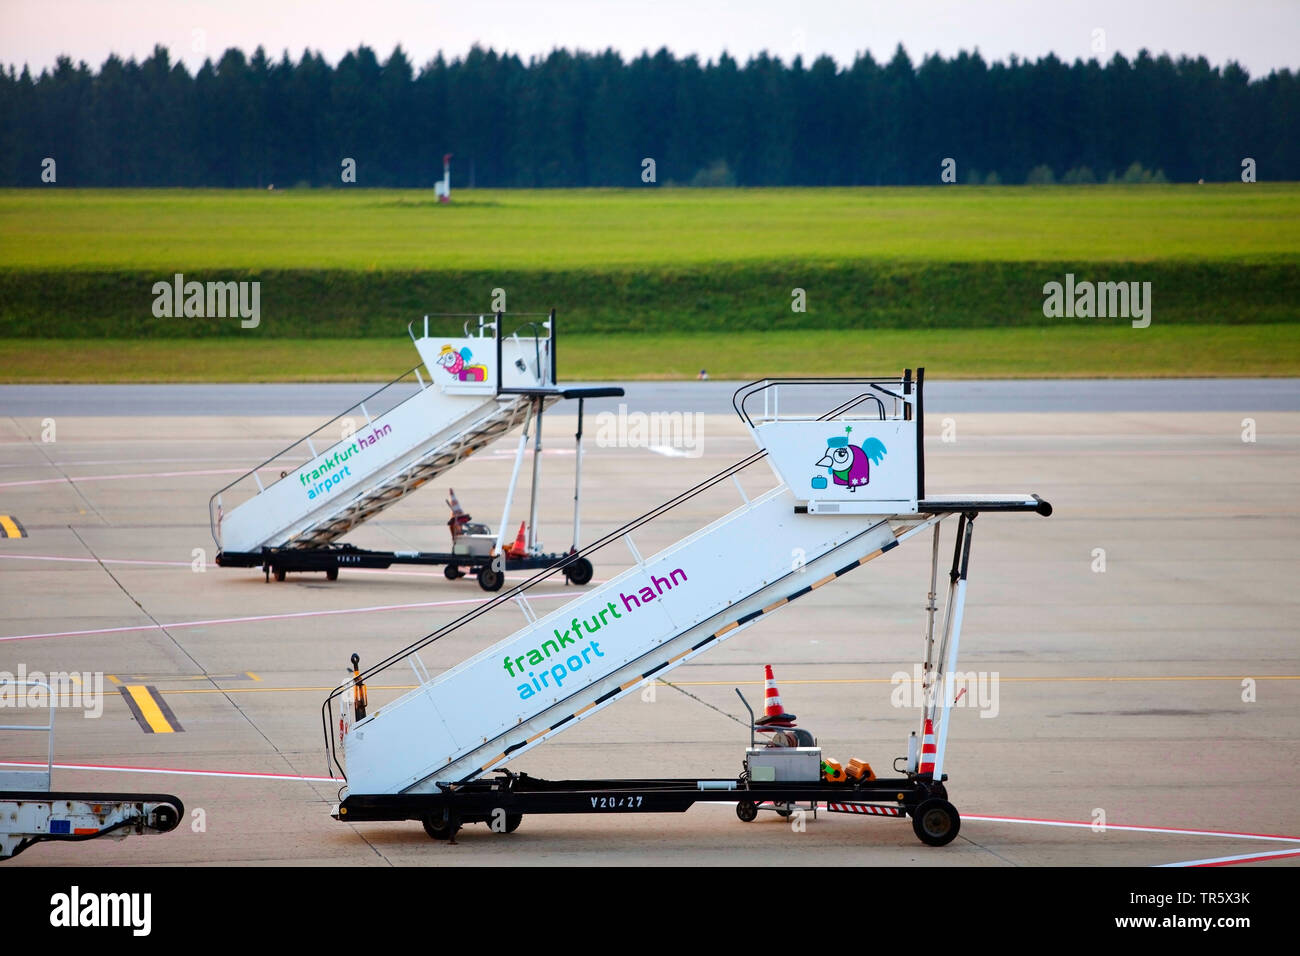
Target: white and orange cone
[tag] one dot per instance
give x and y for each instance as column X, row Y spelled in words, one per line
column 928, row 748
column 774, row 714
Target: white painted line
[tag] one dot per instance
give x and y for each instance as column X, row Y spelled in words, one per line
column 1243, row 858
column 183, row 773
column 667, row 451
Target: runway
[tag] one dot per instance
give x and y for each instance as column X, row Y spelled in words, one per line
column 713, row 398
column 1139, row 648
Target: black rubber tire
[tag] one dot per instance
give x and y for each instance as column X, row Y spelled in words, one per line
column 784, row 811
column 437, row 827
column 935, row 822
column 451, row 572
column 747, row 811
column 332, row 574
column 579, row 572
column 279, row 574
column 490, row 579
column 164, row 819
column 512, row 822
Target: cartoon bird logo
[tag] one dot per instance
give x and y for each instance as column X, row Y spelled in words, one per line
column 849, row 464
column 457, row 365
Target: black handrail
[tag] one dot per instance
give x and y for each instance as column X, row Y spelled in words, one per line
column 212, row 501
column 754, row 388
column 467, row 316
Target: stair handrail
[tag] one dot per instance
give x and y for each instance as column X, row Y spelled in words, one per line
column 212, row 502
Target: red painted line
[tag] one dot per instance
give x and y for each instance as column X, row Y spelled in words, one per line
column 154, row 474
column 213, row 622
column 179, row 772
column 189, row 564
column 1234, row 860
column 115, row 461
column 50, row 557
column 1134, row 828
column 1128, row 827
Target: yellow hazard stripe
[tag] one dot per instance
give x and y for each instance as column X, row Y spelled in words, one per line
column 149, row 709
column 10, row 527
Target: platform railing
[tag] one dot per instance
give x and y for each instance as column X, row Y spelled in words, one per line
column 47, row 727
column 890, row 398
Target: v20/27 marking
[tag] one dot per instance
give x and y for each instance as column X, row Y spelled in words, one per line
column 616, row 803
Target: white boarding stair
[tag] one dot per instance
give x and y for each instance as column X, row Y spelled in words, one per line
column 660, row 613
column 478, row 388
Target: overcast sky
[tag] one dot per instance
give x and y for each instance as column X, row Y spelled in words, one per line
column 1260, row 34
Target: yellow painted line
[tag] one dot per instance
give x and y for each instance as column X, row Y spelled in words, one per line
column 10, row 527
column 112, row 679
column 149, row 709
column 758, row 683
column 252, row 676
column 172, row 678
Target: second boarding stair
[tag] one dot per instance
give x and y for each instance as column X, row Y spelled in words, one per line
column 473, row 389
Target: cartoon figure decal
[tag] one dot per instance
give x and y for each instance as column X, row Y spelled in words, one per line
column 847, row 464
column 457, row 365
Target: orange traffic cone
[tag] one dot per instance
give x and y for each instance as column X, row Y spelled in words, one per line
column 928, row 748
column 520, row 547
column 773, row 711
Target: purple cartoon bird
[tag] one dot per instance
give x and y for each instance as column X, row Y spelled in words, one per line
column 850, row 465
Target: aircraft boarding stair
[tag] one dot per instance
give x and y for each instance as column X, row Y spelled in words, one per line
column 474, row 389
column 850, row 488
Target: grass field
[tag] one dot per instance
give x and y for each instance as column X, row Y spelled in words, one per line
column 673, row 266
column 1174, row 351
column 610, row 230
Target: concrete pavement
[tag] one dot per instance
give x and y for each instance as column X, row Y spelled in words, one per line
column 1160, row 692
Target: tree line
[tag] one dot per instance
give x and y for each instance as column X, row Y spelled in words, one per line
column 593, row 119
